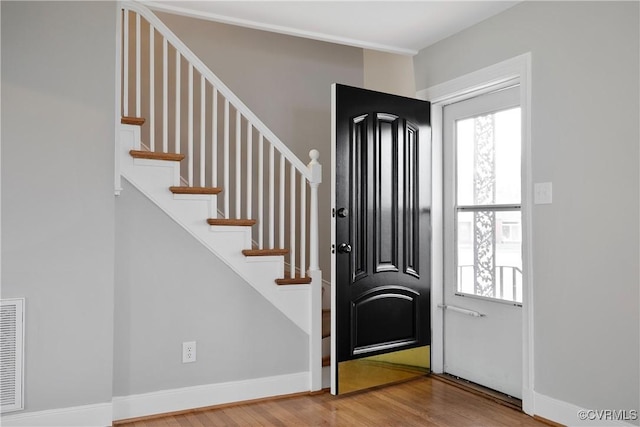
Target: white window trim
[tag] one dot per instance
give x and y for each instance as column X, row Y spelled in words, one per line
column 500, row 75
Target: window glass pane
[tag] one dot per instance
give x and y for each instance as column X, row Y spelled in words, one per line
column 489, row 254
column 488, row 159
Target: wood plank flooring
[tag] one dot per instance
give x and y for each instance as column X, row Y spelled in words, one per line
column 496, row 396
column 419, row 402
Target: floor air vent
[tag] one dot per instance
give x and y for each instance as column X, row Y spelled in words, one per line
column 11, row 354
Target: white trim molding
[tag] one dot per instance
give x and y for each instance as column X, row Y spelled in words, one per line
column 516, row 70
column 98, row 415
column 280, row 29
column 180, row 399
column 333, row 379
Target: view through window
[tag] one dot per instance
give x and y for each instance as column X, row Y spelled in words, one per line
column 488, row 206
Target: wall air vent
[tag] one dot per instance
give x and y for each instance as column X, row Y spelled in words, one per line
column 11, row 354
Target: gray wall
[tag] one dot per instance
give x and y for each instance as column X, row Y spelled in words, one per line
column 58, row 95
column 585, row 140
column 171, row 289
column 286, row 81
column 388, row 72
column 58, row 214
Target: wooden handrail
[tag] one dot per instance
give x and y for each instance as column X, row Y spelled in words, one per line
column 202, row 68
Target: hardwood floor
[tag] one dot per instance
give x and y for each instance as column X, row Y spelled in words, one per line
column 419, row 402
column 496, row 396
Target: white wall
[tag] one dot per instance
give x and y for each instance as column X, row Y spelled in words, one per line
column 58, row 95
column 585, row 133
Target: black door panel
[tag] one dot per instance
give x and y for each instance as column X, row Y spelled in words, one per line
column 383, row 149
column 372, row 333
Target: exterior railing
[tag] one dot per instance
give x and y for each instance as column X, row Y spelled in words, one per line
column 504, row 277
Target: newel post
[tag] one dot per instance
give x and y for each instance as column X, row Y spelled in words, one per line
column 316, row 178
column 315, row 309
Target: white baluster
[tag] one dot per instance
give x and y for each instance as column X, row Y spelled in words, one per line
column 238, row 165
column 271, row 197
column 249, row 169
column 202, row 131
column 303, row 225
column 260, row 192
column 292, row 221
column 152, row 90
column 165, row 95
column 281, row 229
column 226, row 159
column 316, row 178
column 190, row 126
column 138, row 68
column 214, row 131
column 178, row 103
column 125, row 65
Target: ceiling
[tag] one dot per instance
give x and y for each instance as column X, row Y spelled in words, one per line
column 402, row 27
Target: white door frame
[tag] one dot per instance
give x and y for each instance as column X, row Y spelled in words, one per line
column 506, row 73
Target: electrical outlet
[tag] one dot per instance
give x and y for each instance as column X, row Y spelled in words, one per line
column 188, row 352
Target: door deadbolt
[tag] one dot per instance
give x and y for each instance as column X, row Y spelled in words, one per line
column 344, row 248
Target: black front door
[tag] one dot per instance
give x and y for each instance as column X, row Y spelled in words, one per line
column 382, row 222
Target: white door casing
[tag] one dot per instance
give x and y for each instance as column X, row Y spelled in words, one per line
column 500, row 75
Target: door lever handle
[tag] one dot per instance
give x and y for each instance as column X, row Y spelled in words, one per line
column 344, row 248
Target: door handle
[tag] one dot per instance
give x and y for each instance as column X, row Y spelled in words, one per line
column 343, row 212
column 461, row 310
column 344, row 248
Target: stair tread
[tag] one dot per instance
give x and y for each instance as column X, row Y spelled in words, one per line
column 294, row 281
column 138, row 154
column 231, row 222
column 326, row 361
column 265, row 252
column 195, row 190
column 129, row 120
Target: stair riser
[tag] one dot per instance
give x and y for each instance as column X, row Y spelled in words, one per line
column 211, row 202
column 194, row 207
column 154, row 177
column 326, row 346
column 235, row 239
column 326, row 377
column 326, row 296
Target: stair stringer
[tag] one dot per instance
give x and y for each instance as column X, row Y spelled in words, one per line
column 154, row 177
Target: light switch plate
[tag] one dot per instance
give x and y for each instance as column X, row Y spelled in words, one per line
column 542, row 193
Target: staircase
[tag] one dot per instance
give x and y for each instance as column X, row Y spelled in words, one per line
column 195, row 160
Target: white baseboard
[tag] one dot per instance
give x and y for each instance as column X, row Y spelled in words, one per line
column 180, row 399
column 528, row 397
column 99, row 415
column 570, row 414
